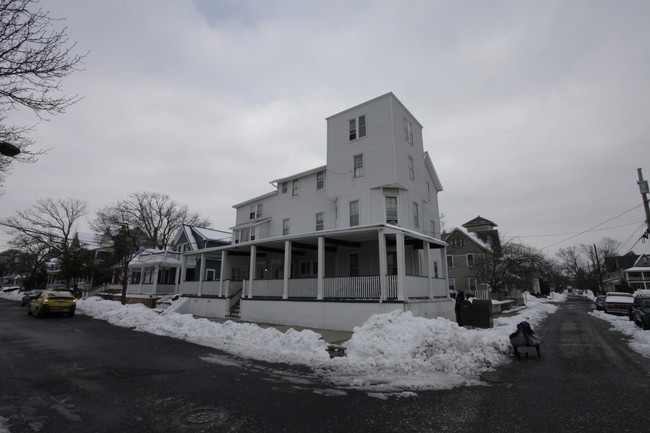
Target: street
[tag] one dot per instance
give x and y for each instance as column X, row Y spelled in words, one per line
column 84, row 375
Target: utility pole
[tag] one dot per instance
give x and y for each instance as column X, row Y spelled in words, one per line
column 643, row 188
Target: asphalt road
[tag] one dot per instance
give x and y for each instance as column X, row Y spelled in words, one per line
column 84, row 375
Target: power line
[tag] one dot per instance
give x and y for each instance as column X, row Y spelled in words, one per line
column 575, row 233
column 592, row 228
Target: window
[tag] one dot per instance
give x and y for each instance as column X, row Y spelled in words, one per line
column 320, row 180
column 457, row 243
column 428, row 191
column 295, row 187
column 391, row 210
column 354, row 213
column 305, row 268
column 433, row 228
column 411, row 168
column 435, row 269
column 285, row 226
column 408, row 131
column 470, row 260
column 452, row 284
column 255, row 211
column 471, row 284
column 357, row 128
column 416, row 216
column 450, row 261
column 354, row 264
column 358, row 166
column 209, row 274
column 319, row 221
column 284, row 186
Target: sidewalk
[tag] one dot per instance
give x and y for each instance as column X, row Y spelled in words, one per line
column 330, row 336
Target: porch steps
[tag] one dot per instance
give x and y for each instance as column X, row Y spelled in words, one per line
column 235, row 311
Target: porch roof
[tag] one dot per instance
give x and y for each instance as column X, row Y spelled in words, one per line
column 346, row 236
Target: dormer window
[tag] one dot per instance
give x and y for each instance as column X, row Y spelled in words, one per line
column 357, row 128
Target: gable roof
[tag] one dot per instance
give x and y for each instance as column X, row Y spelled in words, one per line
column 471, row 236
column 479, row 221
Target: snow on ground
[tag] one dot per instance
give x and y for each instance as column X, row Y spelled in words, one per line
column 390, row 353
column 639, row 339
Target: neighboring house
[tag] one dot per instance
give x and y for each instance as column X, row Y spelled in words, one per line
column 157, row 272
column 331, row 246
column 91, row 242
column 13, row 280
column 638, row 276
column 615, row 279
column 465, row 250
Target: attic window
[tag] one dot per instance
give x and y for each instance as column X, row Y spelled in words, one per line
column 357, row 128
column 458, row 243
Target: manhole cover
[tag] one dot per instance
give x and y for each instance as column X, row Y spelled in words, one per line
column 203, row 416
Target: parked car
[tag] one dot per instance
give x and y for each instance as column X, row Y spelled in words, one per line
column 600, row 302
column 52, row 301
column 28, row 296
column 618, row 303
column 641, row 311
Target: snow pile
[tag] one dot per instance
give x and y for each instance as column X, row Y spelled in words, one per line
column 639, row 339
column 398, row 351
column 242, row 339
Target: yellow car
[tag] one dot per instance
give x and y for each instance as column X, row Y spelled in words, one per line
column 52, row 301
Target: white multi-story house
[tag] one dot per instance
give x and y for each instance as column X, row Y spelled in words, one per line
column 331, row 246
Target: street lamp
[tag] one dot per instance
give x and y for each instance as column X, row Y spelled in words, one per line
column 8, row 149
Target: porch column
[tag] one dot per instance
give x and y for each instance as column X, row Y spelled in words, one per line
column 383, row 267
column 445, row 271
column 287, row 268
column 154, row 286
column 427, row 260
column 177, row 277
column 222, row 272
column 401, row 265
column 251, row 273
column 181, row 277
column 201, row 274
column 321, row 267
column 141, row 278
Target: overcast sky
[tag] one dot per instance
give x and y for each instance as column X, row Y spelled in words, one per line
column 536, row 114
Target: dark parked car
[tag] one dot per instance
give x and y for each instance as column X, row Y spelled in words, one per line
column 618, row 303
column 600, row 302
column 641, row 311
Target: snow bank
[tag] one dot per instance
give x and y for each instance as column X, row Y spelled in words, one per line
column 639, row 339
column 392, row 352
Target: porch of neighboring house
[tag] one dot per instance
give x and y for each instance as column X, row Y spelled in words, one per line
column 154, row 273
column 332, row 279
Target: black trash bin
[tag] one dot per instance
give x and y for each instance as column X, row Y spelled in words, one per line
column 465, row 314
column 482, row 313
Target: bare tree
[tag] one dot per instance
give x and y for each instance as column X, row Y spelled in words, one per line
column 117, row 225
column 158, row 216
column 34, row 59
column 513, row 264
column 50, row 222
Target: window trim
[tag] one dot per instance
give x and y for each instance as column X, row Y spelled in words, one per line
column 411, row 168
column 416, row 215
column 473, row 262
column 295, row 187
column 408, row 131
column 357, row 213
column 320, row 180
column 450, row 261
column 357, row 128
column 286, row 226
column 320, row 222
column 357, row 168
column 388, row 220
